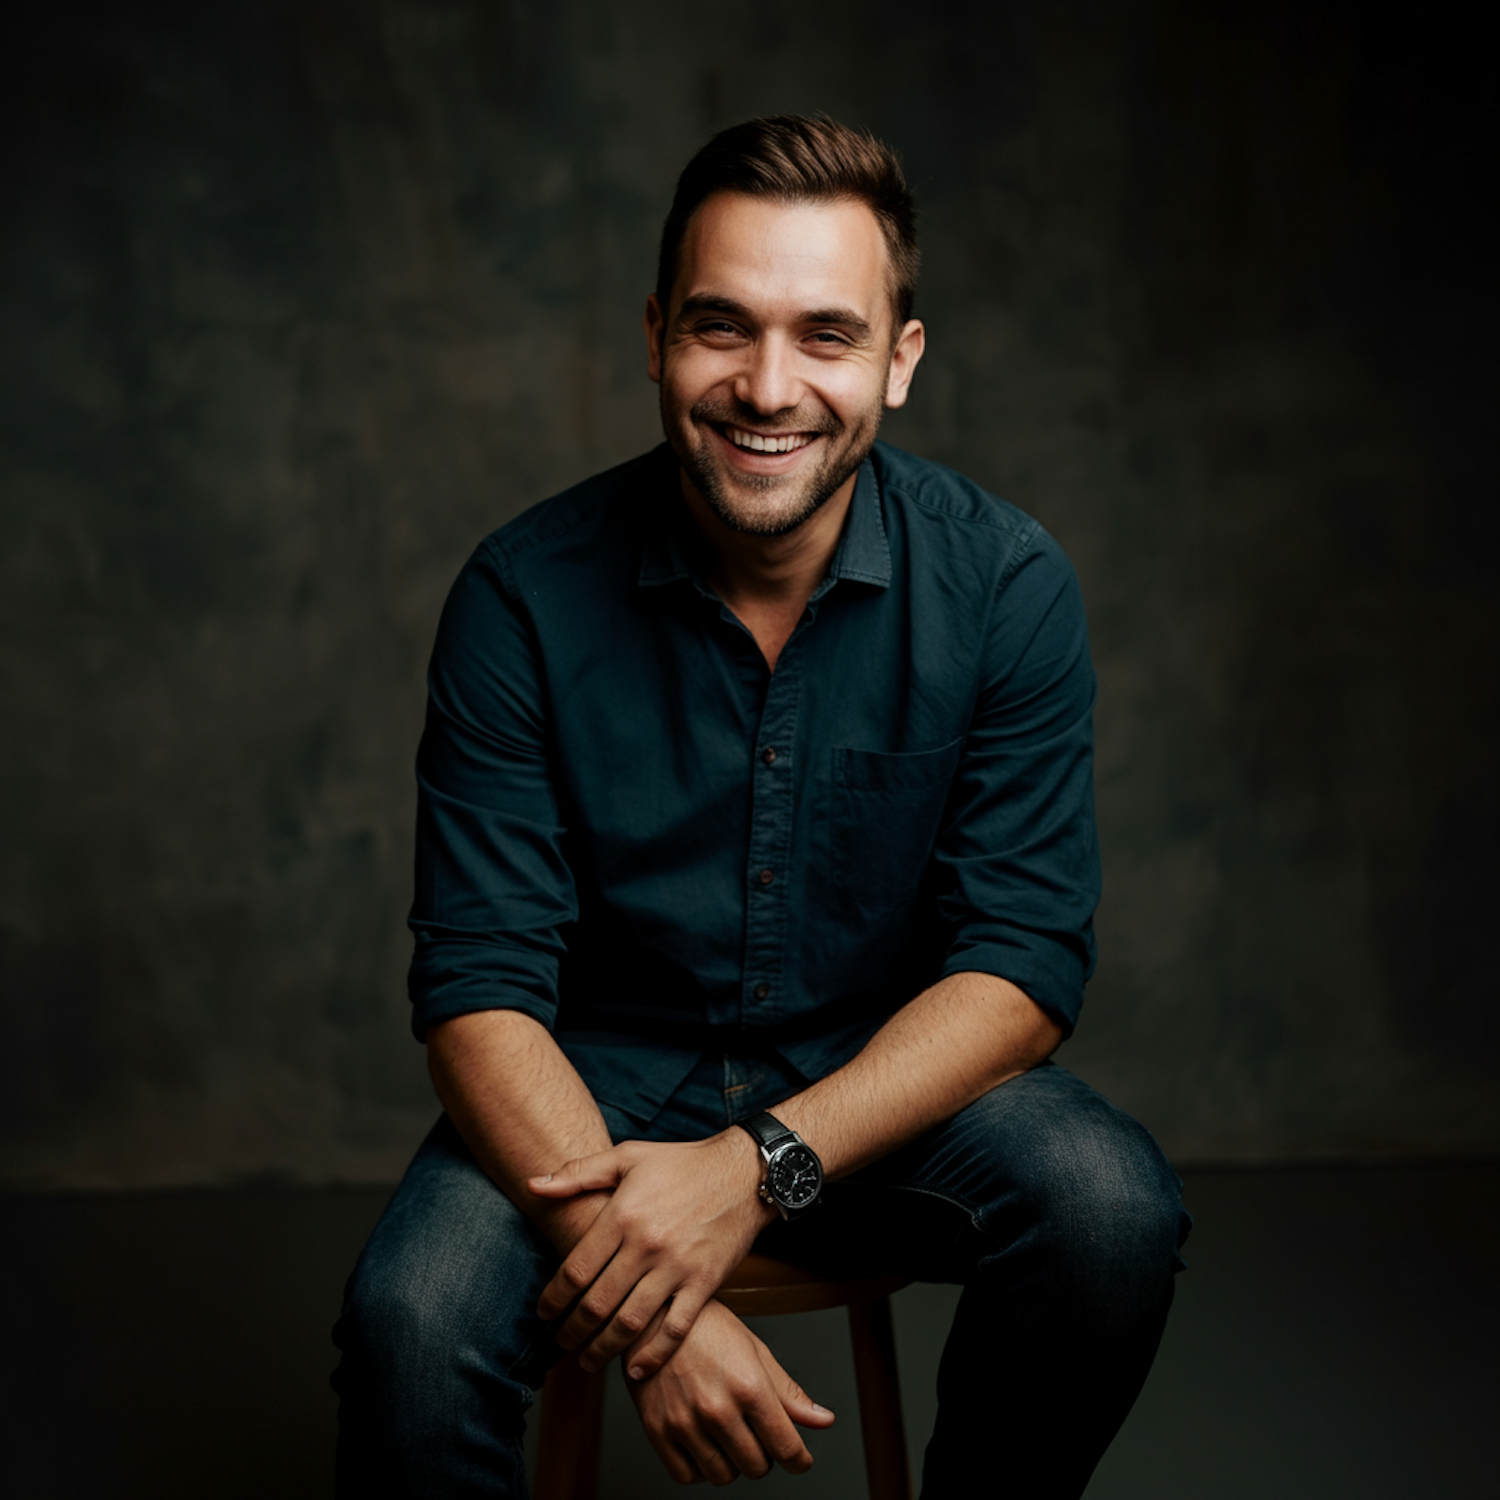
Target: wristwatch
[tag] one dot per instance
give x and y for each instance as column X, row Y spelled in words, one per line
column 793, row 1176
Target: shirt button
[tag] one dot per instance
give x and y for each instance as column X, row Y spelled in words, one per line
column 768, row 754
column 766, row 877
column 762, row 990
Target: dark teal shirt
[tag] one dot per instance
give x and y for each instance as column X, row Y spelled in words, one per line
column 633, row 831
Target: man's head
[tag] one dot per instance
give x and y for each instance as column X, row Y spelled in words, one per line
column 781, row 333
column 794, row 158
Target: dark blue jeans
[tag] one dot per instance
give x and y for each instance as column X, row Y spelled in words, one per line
column 1056, row 1212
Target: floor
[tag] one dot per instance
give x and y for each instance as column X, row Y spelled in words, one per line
column 1335, row 1336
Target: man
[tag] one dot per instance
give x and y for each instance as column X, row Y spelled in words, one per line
column 756, row 866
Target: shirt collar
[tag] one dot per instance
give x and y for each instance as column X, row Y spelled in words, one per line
column 863, row 554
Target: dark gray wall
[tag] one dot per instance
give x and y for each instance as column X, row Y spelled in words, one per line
column 300, row 300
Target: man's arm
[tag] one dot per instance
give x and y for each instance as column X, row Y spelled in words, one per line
column 953, row 1043
column 521, row 1108
column 728, row 1407
column 948, row 1047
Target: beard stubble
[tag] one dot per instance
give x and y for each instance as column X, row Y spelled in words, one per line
column 809, row 493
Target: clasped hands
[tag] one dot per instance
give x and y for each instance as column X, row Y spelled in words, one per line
column 680, row 1217
column 713, row 1400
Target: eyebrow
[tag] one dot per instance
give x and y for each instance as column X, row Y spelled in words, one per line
column 707, row 302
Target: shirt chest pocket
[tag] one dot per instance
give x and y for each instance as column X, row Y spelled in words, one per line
column 885, row 815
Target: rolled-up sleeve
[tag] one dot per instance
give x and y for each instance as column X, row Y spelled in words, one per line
column 1018, row 858
column 493, row 889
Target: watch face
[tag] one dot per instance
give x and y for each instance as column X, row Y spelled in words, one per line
column 794, row 1176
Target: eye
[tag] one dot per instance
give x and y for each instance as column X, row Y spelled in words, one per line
column 826, row 338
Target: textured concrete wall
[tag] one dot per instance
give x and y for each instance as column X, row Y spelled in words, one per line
column 302, row 299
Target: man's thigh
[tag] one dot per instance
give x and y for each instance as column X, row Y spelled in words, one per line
column 450, row 1277
column 1040, row 1166
column 451, row 1246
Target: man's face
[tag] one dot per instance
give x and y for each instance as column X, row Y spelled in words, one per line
column 776, row 357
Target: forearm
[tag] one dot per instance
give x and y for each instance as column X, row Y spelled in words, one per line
column 935, row 1056
column 684, row 1213
column 521, row 1108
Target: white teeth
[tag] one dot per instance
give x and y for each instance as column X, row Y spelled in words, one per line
column 758, row 444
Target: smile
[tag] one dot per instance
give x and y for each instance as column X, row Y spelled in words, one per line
column 773, row 442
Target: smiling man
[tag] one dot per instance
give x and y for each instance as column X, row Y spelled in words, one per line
column 755, row 875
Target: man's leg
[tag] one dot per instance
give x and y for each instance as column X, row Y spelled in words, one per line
column 442, row 1348
column 441, row 1343
column 1061, row 1218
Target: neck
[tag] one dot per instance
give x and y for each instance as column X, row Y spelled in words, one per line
column 767, row 580
column 770, row 570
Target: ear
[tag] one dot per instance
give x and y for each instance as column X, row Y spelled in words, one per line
column 655, row 328
column 909, row 349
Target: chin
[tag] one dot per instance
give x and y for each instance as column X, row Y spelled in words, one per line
column 774, row 505
column 763, row 507
column 770, row 514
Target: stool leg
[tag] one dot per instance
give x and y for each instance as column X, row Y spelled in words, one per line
column 879, row 1400
column 572, row 1429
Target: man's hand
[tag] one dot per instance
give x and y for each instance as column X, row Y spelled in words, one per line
column 680, row 1218
column 724, row 1407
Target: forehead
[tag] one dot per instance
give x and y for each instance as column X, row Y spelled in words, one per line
column 786, row 257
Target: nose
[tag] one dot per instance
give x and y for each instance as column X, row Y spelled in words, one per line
column 767, row 382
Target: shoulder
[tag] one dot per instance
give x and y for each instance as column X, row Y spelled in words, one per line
column 947, row 516
column 599, row 519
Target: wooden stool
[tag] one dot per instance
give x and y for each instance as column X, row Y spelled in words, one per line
column 573, row 1402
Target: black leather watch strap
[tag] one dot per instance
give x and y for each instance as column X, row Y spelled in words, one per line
column 767, row 1129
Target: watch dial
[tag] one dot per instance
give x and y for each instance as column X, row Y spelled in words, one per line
column 794, row 1176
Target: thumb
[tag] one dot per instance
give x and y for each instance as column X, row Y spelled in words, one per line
column 798, row 1405
column 587, row 1174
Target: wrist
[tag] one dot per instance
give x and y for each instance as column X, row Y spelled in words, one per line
column 749, row 1167
column 564, row 1222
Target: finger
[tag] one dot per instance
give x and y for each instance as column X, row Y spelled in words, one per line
column 581, row 1265
column 738, row 1441
column 604, row 1169
column 660, row 1341
column 676, row 1460
column 647, row 1333
column 784, row 1444
column 674, row 1457
column 774, row 1426
column 604, row 1303
column 685, row 1438
column 636, row 1313
column 802, row 1409
column 708, row 1458
column 597, row 1306
column 680, row 1466
column 778, row 1437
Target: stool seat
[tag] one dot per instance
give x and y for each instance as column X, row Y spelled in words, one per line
column 761, row 1286
column 572, row 1420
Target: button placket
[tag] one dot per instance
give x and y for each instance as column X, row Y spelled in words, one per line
column 772, row 797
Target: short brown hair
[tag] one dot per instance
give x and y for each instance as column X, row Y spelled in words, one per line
column 796, row 157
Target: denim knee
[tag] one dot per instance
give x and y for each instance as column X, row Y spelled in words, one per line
column 442, row 1347
column 1093, row 1187
column 414, row 1333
